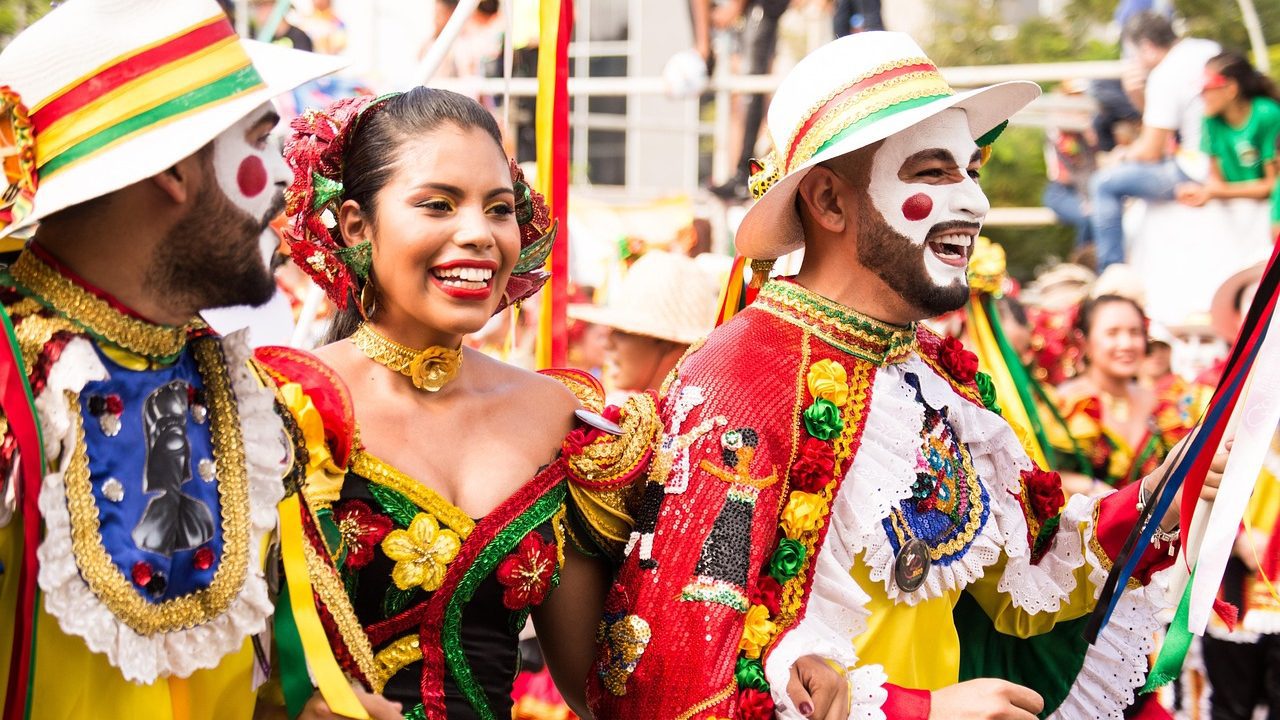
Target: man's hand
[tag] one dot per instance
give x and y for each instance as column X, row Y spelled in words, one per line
column 985, row 699
column 378, row 707
column 817, row 690
column 1212, row 479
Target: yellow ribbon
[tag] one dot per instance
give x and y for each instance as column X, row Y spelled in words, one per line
column 989, row 360
column 330, row 680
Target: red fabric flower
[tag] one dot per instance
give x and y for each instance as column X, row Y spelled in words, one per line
column 1044, row 492
column 754, row 705
column 768, row 593
column 958, row 361
column 814, row 467
column 362, row 529
column 526, row 572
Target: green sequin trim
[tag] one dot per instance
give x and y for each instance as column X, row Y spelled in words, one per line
column 417, row 713
column 542, row 510
column 396, row 600
column 718, row 594
column 358, row 258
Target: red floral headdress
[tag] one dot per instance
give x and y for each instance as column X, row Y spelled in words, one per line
column 315, row 151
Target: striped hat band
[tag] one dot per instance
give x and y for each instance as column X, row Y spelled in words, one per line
column 196, row 68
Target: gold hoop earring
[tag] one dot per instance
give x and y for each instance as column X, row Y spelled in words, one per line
column 368, row 299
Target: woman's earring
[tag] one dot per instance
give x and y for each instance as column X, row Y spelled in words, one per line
column 367, row 299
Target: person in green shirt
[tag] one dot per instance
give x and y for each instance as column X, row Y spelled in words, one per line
column 1241, row 125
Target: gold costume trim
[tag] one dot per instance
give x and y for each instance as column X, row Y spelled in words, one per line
column 96, row 316
column 376, row 470
column 333, row 595
column 105, row 580
column 395, row 657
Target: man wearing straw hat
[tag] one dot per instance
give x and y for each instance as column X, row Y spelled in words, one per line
column 664, row 304
column 141, row 457
column 847, row 527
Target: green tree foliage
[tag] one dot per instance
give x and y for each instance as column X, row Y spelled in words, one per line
column 17, row 14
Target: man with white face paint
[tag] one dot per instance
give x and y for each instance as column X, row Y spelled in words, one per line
column 847, row 528
column 141, row 457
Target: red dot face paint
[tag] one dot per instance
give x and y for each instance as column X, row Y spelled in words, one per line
column 252, row 176
column 917, row 207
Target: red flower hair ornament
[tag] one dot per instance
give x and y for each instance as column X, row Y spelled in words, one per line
column 314, row 152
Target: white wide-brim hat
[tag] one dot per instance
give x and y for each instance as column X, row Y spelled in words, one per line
column 664, row 295
column 846, row 95
column 120, row 90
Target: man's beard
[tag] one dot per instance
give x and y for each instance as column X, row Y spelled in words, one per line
column 212, row 257
column 900, row 264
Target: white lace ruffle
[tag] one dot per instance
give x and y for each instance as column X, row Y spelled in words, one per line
column 1116, row 665
column 884, row 470
column 835, row 613
column 144, row 658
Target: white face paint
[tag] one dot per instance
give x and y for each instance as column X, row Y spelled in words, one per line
column 921, row 186
column 249, row 168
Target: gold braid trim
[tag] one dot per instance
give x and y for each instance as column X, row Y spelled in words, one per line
column 333, row 594
column 709, row 702
column 106, row 581
column 95, row 315
column 376, row 470
column 395, row 657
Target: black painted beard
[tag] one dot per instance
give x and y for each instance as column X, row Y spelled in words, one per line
column 212, row 258
column 900, row 264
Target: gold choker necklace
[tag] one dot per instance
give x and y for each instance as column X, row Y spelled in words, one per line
column 429, row 369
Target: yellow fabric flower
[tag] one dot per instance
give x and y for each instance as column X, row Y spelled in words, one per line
column 804, row 512
column 828, row 381
column 757, row 632
column 421, row 553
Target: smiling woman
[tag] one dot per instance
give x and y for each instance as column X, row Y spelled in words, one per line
column 1124, row 428
column 447, row 514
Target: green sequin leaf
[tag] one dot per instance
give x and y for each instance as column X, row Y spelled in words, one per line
column 400, row 508
column 359, row 258
column 326, row 190
column 535, row 254
column 396, row 600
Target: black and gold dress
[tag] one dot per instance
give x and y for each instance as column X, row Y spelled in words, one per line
column 424, row 604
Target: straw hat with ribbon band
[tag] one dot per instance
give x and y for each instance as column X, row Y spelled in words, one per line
column 1225, row 313
column 100, row 94
column 846, row 95
column 315, row 153
column 665, row 296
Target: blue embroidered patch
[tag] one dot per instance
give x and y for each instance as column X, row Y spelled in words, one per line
column 153, row 477
column 949, row 505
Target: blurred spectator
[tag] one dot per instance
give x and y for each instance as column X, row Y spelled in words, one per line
column 760, row 30
column 477, row 51
column 664, row 304
column 856, row 16
column 1117, row 121
column 1172, row 114
column 327, row 31
column 1069, row 161
column 285, row 34
column 1241, row 124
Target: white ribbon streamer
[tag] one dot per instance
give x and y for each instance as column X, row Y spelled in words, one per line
column 1257, row 421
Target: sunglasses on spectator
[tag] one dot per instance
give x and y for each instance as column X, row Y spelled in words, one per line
column 1213, row 81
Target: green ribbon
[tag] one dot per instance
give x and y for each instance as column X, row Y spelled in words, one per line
column 294, row 680
column 1177, row 642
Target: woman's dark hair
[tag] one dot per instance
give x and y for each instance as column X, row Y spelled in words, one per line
column 1089, row 310
column 374, row 149
column 1234, row 66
